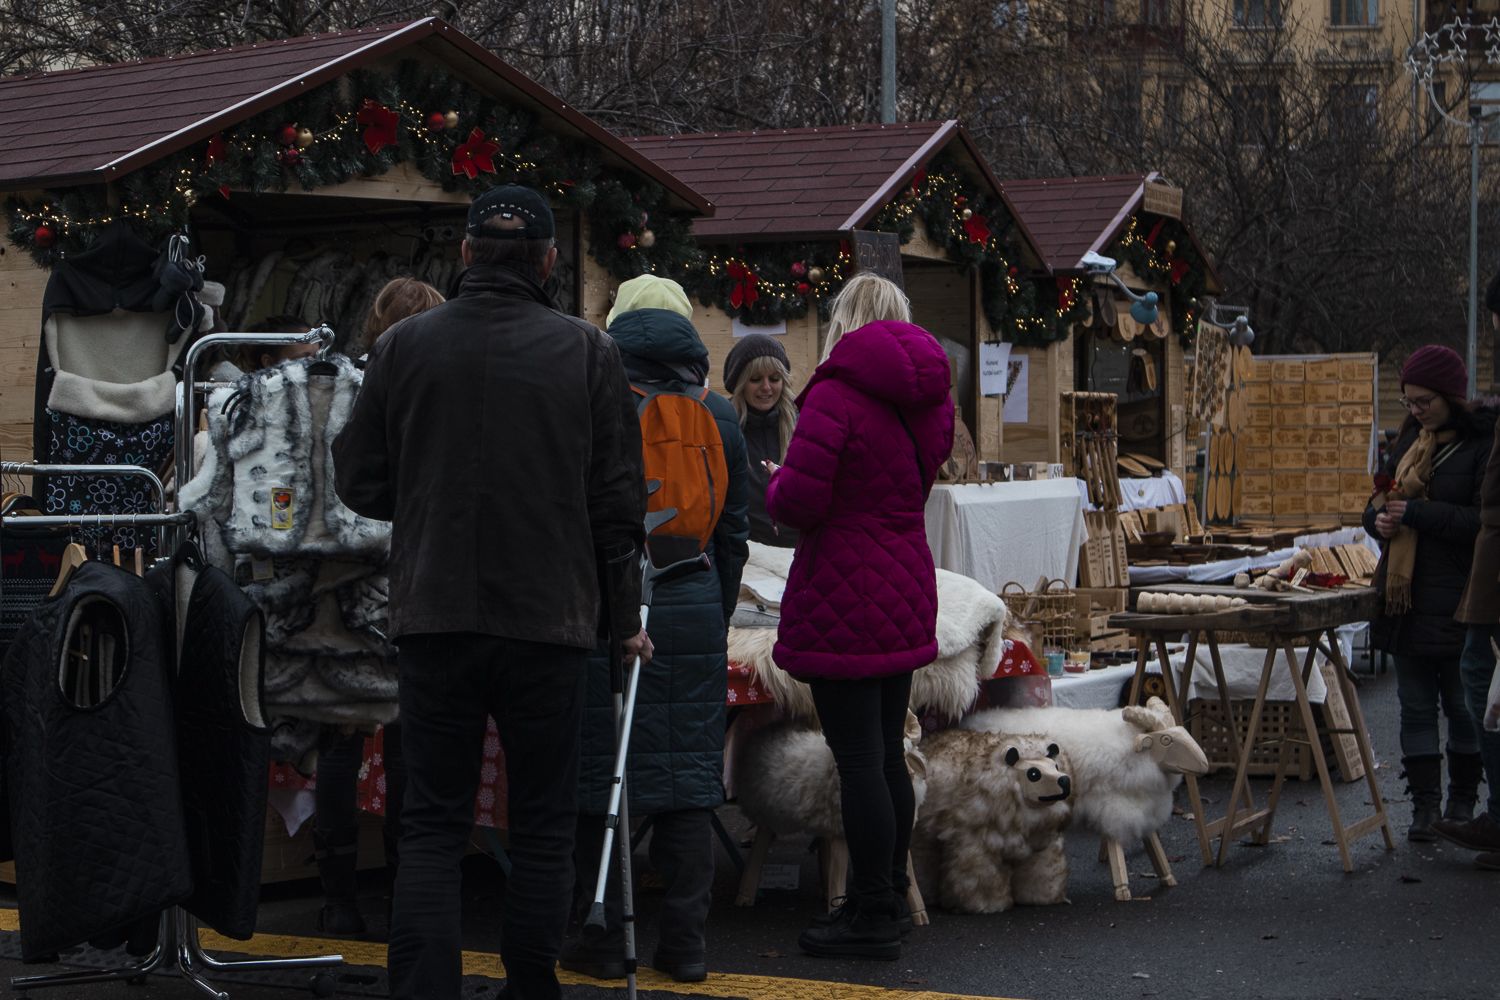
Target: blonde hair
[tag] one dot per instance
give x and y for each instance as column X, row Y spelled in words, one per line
column 400, row 298
column 865, row 298
column 786, row 409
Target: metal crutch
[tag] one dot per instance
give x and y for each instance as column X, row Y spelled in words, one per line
column 624, row 690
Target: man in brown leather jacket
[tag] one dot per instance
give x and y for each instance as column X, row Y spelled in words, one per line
column 500, row 437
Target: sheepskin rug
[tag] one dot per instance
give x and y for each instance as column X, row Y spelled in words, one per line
column 1125, row 763
column 970, row 632
column 990, row 833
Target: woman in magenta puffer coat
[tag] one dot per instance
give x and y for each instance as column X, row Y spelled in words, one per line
column 860, row 610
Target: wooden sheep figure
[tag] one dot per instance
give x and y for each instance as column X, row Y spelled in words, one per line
column 1125, row 763
column 786, row 783
column 989, row 835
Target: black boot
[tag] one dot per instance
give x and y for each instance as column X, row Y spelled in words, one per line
column 861, row 928
column 1424, row 783
column 337, row 869
column 1464, row 773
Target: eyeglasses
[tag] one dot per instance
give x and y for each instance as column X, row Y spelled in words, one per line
column 1422, row 403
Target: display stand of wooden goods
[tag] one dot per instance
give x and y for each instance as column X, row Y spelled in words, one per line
column 1304, row 446
column 1102, row 562
column 1091, row 444
column 1283, row 616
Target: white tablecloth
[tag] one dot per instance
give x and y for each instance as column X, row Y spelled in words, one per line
column 1003, row 532
column 1095, row 689
column 1154, row 491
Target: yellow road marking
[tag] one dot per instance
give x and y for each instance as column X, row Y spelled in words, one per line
column 487, row 964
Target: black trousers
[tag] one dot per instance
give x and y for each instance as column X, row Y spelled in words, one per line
column 682, row 852
column 340, row 756
column 450, row 684
column 864, row 722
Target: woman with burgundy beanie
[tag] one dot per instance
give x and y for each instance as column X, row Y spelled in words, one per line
column 859, row 613
column 1426, row 515
column 758, row 378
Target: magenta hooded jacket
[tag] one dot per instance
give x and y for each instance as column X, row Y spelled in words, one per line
column 861, row 598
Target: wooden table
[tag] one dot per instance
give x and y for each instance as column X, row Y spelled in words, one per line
column 1283, row 617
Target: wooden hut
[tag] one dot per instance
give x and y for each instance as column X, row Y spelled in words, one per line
column 794, row 207
column 1138, row 221
column 307, row 171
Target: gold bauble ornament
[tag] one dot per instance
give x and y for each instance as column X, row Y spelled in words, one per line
column 305, row 138
column 1171, row 247
column 815, row 275
column 451, row 119
column 647, row 240
column 968, row 214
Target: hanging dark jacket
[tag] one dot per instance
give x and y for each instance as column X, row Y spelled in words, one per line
column 1447, row 523
column 677, row 744
column 500, row 438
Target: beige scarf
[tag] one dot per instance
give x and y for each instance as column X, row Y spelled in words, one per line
column 1413, row 473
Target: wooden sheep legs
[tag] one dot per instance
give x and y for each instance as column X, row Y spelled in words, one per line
column 1120, row 873
column 833, row 855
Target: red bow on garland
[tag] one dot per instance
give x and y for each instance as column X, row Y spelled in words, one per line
column 475, row 154
column 380, row 125
column 215, row 151
column 744, row 293
column 978, row 228
column 1155, row 233
column 1180, row 269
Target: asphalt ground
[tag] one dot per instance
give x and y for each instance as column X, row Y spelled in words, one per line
column 1277, row 922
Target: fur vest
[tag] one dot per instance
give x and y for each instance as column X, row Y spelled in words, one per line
column 267, row 478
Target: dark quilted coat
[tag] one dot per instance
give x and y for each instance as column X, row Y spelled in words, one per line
column 224, row 745
column 98, row 820
column 677, row 744
column 875, row 423
column 1447, row 524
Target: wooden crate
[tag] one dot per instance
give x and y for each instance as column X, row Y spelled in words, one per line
column 1260, row 416
column 1318, row 482
column 1258, row 393
column 1288, row 371
column 1322, row 392
column 1257, row 505
column 1324, row 503
column 1322, row 437
column 1289, row 437
column 1278, row 721
column 1325, row 370
column 1257, row 437
column 1360, row 415
column 1289, row 503
column 1284, row 393
column 1255, row 482
column 1289, row 458
column 1326, row 416
column 1355, row 482
column 1288, row 482
column 1357, row 370
column 1354, row 502
column 1357, row 392
column 1354, row 437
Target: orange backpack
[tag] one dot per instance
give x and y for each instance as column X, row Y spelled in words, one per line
column 682, row 449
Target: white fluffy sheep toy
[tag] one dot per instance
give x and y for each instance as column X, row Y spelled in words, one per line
column 786, row 783
column 989, row 835
column 1125, row 765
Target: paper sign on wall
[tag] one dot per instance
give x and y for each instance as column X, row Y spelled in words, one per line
column 744, row 329
column 994, row 363
column 1017, row 389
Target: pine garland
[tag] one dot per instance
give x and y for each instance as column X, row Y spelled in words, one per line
column 1181, row 267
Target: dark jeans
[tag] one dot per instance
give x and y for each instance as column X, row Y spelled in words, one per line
column 682, row 852
column 1477, row 667
column 1421, row 683
column 340, row 756
column 450, row 684
column 864, row 722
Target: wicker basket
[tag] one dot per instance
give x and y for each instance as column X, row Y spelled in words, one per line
column 1048, row 612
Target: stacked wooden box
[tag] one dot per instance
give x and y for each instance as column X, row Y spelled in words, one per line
column 1304, row 451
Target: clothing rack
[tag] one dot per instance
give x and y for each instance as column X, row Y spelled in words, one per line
column 177, row 946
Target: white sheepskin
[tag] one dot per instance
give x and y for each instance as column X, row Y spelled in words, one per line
column 1125, row 763
column 785, row 779
column 989, row 835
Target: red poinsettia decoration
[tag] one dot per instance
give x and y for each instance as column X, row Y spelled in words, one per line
column 215, row 151
column 474, row 154
column 1384, row 484
column 978, row 228
column 380, row 125
column 744, row 293
column 1180, row 269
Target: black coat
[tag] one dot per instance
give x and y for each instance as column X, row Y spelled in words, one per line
column 677, row 744
column 1447, row 523
column 763, row 439
column 500, row 437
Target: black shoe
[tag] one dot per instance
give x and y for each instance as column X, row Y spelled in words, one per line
column 682, row 972
column 858, row 929
column 903, row 915
column 1423, row 816
column 341, row 919
column 595, row 959
column 1489, row 861
column 1424, row 783
column 1479, row 834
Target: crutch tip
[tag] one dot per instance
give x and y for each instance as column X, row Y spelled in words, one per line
column 596, row 917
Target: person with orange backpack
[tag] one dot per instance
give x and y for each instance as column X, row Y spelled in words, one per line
column 692, row 445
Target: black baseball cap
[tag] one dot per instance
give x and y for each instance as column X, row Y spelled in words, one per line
column 511, row 201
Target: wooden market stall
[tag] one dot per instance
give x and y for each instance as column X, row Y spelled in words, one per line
column 789, row 204
column 307, row 171
column 1137, row 220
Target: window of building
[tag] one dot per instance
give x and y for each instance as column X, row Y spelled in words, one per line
column 1173, row 126
column 1257, row 13
column 1161, row 13
column 1485, row 94
column 1013, row 16
column 1257, row 113
column 1353, row 13
column 1354, row 108
column 1122, row 104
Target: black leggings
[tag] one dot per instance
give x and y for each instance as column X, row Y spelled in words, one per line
column 864, row 722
